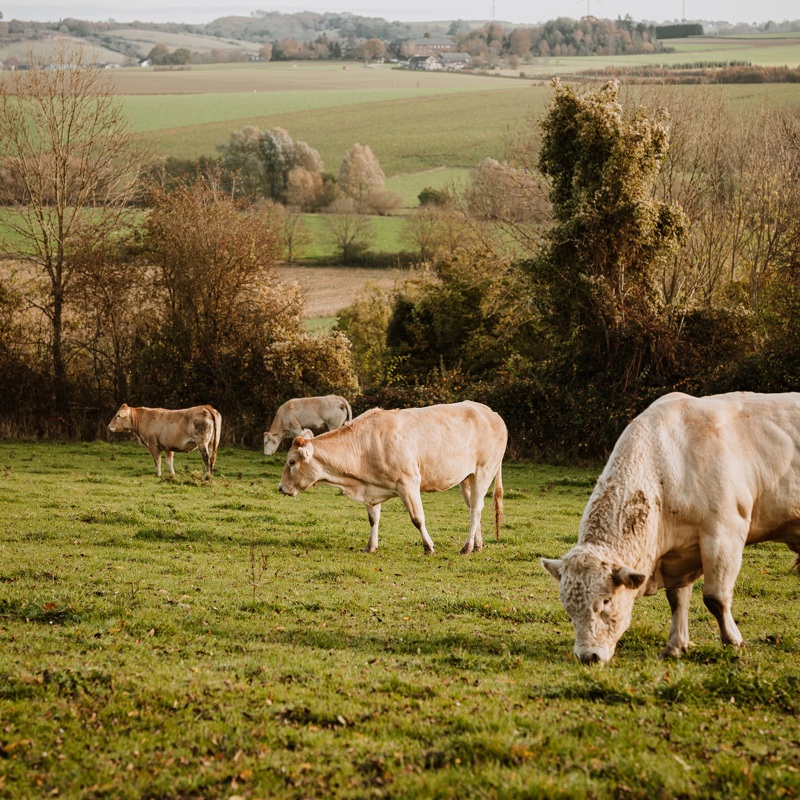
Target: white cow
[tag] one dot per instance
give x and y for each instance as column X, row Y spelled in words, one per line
column 296, row 416
column 401, row 453
column 168, row 430
column 690, row 482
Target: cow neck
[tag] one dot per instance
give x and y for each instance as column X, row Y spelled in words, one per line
column 339, row 462
column 622, row 524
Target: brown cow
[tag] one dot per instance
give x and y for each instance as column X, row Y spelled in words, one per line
column 400, row 453
column 181, row 430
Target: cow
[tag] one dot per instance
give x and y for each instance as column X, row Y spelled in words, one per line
column 296, row 416
column 689, row 483
column 181, row 430
column 401, row 453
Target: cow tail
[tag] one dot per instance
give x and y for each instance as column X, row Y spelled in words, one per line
column 497, row 499
column 216, row 418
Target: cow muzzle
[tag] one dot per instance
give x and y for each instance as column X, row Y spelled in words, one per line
column 592, row 655
column 287, row 492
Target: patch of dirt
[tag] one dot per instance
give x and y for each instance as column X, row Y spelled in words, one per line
column 327, row 290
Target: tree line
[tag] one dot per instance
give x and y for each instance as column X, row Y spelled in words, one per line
column 632, row 243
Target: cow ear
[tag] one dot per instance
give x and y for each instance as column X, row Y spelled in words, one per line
column 625, row 576
column 553, row 566
column 307, row 434
column 305, row 450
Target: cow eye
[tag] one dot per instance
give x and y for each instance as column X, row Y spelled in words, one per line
column 291, row 463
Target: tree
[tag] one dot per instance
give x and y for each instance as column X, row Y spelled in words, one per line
column 374, row 48
column 263, row 161
column 360, row 174
column 348, row 228
column 159, row 54
column 520, row 43
column 597, row 274
column 212, row 260
column 293, row 231
column 67, row 154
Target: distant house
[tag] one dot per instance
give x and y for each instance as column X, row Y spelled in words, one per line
column 430, row 46
column 454, row 60
column 447, row 61
column 424, row 62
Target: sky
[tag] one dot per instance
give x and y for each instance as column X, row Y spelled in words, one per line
column 516, row 11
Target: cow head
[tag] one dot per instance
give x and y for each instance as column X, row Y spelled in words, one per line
column 300, row 471
column 121, row 421
column 271, row 442
column 598, row 595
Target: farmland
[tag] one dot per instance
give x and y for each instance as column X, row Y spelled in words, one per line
column 183, row 638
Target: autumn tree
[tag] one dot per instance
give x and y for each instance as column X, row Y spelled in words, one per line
column 69, row 166
column 360, row 173
column 226, row 330
column 362, row 179
column 374, row 49
column 270, row 163
column 210, row 281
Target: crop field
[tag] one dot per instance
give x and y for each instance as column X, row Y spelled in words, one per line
column 203, row 639
column 413, row 120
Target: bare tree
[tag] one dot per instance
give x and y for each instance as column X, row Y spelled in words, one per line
column 67, row 157
column 348, row 229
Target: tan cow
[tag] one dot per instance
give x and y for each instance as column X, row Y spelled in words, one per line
column 294, row 417
column 401, row 453
column 690, row 482
column 170, row 431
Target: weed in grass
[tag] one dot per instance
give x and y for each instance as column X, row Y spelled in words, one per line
column 259, row 563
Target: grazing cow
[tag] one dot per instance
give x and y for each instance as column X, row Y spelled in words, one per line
column 181, row 430
column 328, row 413
column 690, row 482
column 400, row 453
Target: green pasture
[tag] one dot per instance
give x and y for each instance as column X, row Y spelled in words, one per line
column 455, row 130
column 210, row 639
column 385, row 235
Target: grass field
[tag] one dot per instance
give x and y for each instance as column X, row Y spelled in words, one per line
column 191, row 639
column 413, row 120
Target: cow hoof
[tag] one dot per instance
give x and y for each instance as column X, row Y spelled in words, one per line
column 466, row 550
column 428, row 551
column 369, row 549
column 674, row 651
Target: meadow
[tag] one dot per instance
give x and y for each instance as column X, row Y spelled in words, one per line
column 185, row 638
column 414, row 121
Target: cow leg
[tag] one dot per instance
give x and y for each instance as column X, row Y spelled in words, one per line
column 678, row 643
column 413, row 503
column 212, row 450
column 168, row 456
column 156, row 453
column 374, row 514
column 471, row 493
column 206, row 456
column 722, row 560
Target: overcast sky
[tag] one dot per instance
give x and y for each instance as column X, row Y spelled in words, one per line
column 519, row 11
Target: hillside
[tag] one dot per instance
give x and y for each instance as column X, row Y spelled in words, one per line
column 333, row 36
column 226, row 36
